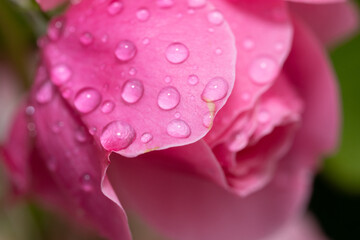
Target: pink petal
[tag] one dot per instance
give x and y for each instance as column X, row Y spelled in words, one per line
column 77, row 165
column 141, row 74
column 301, row 228
column 263, row 33
column 317, row 1
column 342, row 17
column 49, row 4
column 182, row 205
column 309, row 70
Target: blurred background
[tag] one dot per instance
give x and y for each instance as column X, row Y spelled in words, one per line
column 335, row 202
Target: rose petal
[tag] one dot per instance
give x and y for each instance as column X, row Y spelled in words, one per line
column 342, row 17
column 317, row 1
column 308, row 69
column 263, row 38
column 49, row 4
column 155, row 71
column 182, row 205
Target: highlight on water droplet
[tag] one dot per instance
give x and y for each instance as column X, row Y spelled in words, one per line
column 45, row 93
column 86, row 39
column 146, row 137
column 115, row 7
column 193, row 79
column 177, row 53
column 143, row 14
column 178, row 128
column 87, row 100
column 216, row 89
column 107, row 107
column 60, row 74
column 125, row 50
column 263, row 70
column 196, row 3
column 215, row 17
column 117, row 135
column 132, row 91
column 168, row 98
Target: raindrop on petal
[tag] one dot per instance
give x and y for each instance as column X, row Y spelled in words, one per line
column 45, row 93
column 263, row 70
column 215, row 17
column 117, row 135
column 143, row 14
column 168, row 98
column 60, row 74
column 86, row 39
column 178, row 128
column 196, row 3
column 107, row 107
column 125, row 50
column 193, row 80
column 87, row 100
column 215, row 89
column 208, row 119
column 146, row 137
column 115, row 7
column 177, row 53
column 132, row 91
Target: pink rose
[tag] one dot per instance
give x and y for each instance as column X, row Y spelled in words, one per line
column 214, row 114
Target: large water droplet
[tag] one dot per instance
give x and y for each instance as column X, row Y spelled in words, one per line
column 178, row 128
column 87, row 99
column 107, row 107
column 263, row 70
column 132, row 91
column 115, row 7
column 146, row 137
column 177, row 53
column 45, row 93
column 86, row 38
column 196, row 3
column 165, row 3
column 168, row 98
column 125, row 50
column 60, row 74
column 193, row 79
column 117, row 135
column 143, row 14
column 215, row 90
column 215, row 17
column 208, row 119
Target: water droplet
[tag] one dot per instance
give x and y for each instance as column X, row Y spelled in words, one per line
column 146, row 137
column 178, row 128
column 117, row 135
column 57, row 126
column 193, row 79
column 165, row 3
column 215, row 90
column 263, row 116
column 168, row 98
column 177, row 53
column 115, row 7
column 218, row 51
column 60, row 74
column 66, row 93
column 132, row 71
column 87, row 100
column 45, row 93
column 132, row 91
column 125, row 50
column 86, row 183
column 107, row 107
column 104, row 38
column 248, row 44
column 30, row 110
column 215, row 17
column 196, row 3
column 81, row 135
column 167, row 79
column 143, row 14
column 86, row 39
column 263, row 70
column 92, row 131
column 177, row 115
column 55, row 28
column 208, row 119
column 145, row 41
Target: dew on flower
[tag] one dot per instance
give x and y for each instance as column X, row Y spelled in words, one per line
column 45, row 93
column 132, row 91
column 215, row 90
column 165, row 3
column 177, row 53
column 177, row 115
column 81, row 135
column 60, row 74
column 178, row 128
column 55, row 29
column 196, row 3
column 132, row 71
column 248, row 44
column 30, row 110
column 145, row 41
column 57, row 126
column 193, row 79
column 215, row 17
column 146, row 137
column 66, row 93
column 125, row 50
column 117, row 135
column 167, row 79
column 87, row 100
column 86, row 39
column 86, row 182
column 208, row 119
column 143, row 14
column 107, row 107
column 168, row 98
column 263, row 70
column 115, row 7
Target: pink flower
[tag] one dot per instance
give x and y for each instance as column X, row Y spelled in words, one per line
column 216, row 114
